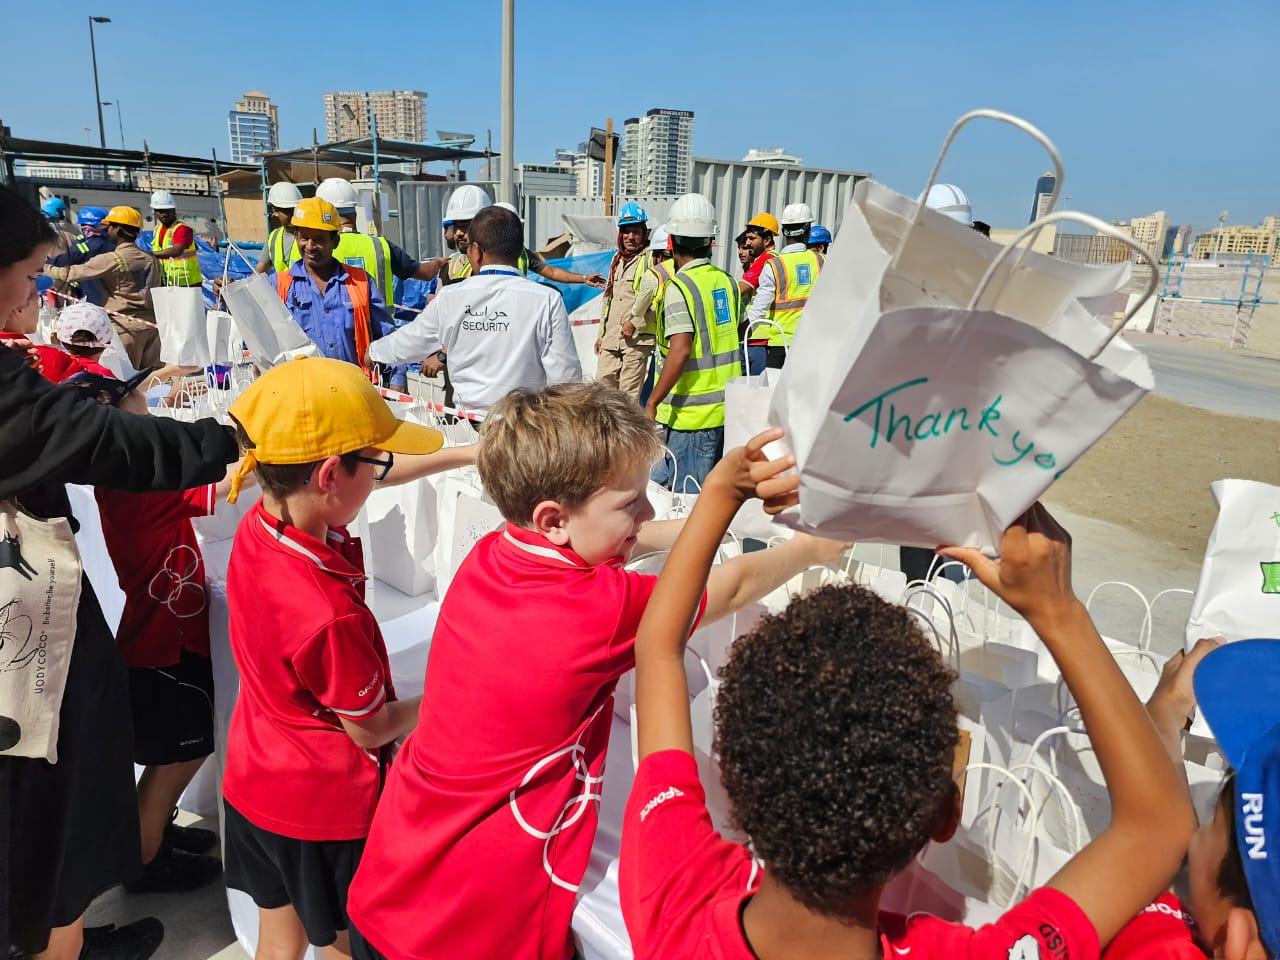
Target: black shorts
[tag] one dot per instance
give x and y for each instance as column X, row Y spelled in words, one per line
column 172, row 711
column 311, row 875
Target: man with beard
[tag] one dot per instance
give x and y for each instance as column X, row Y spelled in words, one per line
column 334, row 302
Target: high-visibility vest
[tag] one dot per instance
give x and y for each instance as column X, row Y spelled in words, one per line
column 281, row 247
column 696, row 402
column 81, row 243
column 358, row 291
column 663, row 270
column 370, row 254
column 182, row 270
column 643, row 263
column 459, row 267
column 794, row 275
column 522, row 263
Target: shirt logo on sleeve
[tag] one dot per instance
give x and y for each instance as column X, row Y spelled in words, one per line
column 669, row 794
column 377, row 679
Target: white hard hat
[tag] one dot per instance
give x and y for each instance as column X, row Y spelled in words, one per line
column 660, row 239
column 465, row 203
column 163, row 200
column 796, row 213
column 507, row 206
column 338, row 192
column 284, row 195
column 949, row 199
column 692, row 216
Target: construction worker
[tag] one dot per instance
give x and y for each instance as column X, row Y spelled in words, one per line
column 127, row 275
column 336, row 303
column 464, row 203
column 645, row 312
column 785, row 285
column 90, row 241
column 759, row 236
column 278, row 252
column 698, row 343
column 623, row 347
column 174, row 243
column 819, row 239
column 533, row 262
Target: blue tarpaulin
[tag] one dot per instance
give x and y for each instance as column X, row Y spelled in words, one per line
column 576, row 294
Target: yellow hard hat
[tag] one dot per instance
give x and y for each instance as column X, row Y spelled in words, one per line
column 765, row 221
column 124, row 217
column 312, row 213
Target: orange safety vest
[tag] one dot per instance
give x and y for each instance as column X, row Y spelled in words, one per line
column 358, row 291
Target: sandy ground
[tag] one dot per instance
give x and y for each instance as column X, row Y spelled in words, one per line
column 1151, row 473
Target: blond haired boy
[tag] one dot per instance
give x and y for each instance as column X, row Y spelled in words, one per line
column 485, row 828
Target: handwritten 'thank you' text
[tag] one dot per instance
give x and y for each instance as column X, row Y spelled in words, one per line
column 887, row 423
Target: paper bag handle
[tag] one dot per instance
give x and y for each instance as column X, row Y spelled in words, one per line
column 1065, row 800
column 746, row 335
column 1033, row 229
column 1033, row 824
column 1030, row 129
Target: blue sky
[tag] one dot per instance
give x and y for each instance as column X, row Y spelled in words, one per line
column 1153, row 106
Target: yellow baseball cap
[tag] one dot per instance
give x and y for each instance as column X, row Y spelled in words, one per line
column 310, row 408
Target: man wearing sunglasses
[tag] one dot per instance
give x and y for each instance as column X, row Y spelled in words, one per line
column 500, row 330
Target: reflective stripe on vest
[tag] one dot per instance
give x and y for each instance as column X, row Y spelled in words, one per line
column 794, row 275
column 184, row 269
column 281, row 258
column 459, row 267
column 696, row 402
column 357, row 292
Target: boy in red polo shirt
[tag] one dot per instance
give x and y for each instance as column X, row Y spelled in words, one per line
column 486, row 826
column 836, row 732
column 308, row 746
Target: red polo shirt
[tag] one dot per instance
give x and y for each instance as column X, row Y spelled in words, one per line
column 161, row 571
column 308, row 651
column 486, row 825
column 752, row 275
column 1162, row 931
column 683, row 887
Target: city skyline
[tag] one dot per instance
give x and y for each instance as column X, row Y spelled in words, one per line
column 884, row 99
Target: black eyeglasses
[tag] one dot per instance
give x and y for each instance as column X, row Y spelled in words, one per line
column 384, row 466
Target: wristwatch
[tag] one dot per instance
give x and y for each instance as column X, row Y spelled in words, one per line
column 441, row 356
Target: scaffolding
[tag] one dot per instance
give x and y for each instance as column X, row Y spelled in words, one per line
column 1214, row 299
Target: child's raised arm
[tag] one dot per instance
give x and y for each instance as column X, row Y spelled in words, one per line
column 662, row 692
column 1132, row 861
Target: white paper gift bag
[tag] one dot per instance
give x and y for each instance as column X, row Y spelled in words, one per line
column 746, row 413
column 221, row 350
column 915, row 416
column 184, row 333
column 269, row 330
column 945, row 423
column 1238, row 596
column 404, row 526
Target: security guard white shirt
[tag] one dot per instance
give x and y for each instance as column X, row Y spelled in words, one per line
column 499, row 330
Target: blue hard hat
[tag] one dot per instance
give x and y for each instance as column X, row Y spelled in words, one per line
column 819, row 234
column 53, row 208
column 632, row 213
column 91, row 216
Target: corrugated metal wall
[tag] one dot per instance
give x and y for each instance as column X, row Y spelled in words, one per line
column 738, row 191
column 421, row 210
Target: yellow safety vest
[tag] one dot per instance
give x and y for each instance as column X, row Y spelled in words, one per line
column 370, row 254
column 182, row 270
column 281, row 247
column 459, row 267
column 522, row 263
column 696, row 402
column 794, row 275
column 663, row 271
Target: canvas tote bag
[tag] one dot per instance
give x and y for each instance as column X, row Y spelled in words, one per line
column 39, row 597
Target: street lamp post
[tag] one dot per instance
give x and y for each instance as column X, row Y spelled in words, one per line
column 120, row 122
column 97, row 95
